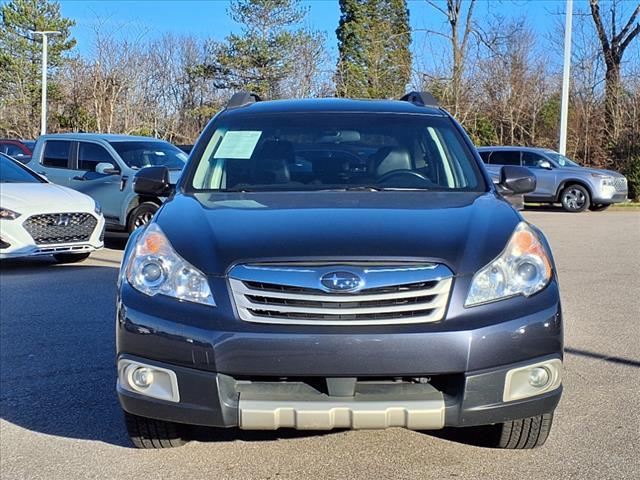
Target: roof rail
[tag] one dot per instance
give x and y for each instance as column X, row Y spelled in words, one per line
column 421, row 99
column 241, row 99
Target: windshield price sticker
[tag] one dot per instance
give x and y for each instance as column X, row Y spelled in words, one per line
column 238, row 144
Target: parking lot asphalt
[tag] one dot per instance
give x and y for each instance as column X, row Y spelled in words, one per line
column 60, row 418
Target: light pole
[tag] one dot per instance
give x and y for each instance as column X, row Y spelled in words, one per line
column 564, row 104
column 43, row 113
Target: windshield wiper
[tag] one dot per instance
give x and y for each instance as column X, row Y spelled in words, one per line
column 373, row 188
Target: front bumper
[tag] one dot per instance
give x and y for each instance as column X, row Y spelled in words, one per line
column 608, row 195
column 218, row 400
column 213, row 354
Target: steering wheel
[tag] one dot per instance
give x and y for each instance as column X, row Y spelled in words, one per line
column 402, row 173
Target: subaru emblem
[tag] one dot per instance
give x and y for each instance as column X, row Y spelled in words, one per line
column 341, row 282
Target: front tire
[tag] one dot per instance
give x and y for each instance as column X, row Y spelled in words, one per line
column 141, row 215
column 70, row 257
column 525, row 433
column 150, row 433
column 575, row 198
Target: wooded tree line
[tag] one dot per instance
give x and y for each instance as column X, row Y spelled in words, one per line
column 494, row 73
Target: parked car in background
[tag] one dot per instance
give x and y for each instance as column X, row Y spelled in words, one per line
column 40, row 218
column 102, row 166
column 185, row 148
column 559, row 179
column 387, row 285
column 21, row 150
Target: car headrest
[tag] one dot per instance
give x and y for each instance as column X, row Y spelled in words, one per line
column 270, row 163
column 388, row 159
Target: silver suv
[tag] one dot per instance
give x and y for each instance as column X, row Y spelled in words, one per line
column 560, row 179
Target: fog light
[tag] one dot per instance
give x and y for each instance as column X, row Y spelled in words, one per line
column 532, row 380
column 149, row 380
column 142, row 377
column 539, row 377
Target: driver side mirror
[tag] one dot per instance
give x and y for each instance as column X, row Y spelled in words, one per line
column 105, row 168
column 544, row 164
column 517, row 180
column 153, row 181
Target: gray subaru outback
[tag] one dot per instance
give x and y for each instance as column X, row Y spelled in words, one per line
column 336, row 263
column 560, row 179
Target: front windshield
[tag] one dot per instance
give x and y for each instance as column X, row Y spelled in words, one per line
column 336, row 151
column 142, row 154
column 561, row 159
column 11, row 172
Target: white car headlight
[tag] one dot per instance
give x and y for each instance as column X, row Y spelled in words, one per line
column 154, row 268
column 97, row 207
column 6, row 214
column 523, row 268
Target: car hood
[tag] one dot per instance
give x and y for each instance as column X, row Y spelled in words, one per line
column 215, row 231
column 588, row 171
column 43, row 198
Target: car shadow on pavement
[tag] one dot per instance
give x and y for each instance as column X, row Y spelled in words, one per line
column 57, row 355
column 116, row 240
column 600, row 356
column 57, row 350
column 544, row 208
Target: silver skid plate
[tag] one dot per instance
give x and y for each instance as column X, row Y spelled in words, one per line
column 265, row 406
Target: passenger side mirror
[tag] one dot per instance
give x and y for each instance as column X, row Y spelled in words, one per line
column 544, row 164
column 105, row 168
column 153, row 181
column 517, row 180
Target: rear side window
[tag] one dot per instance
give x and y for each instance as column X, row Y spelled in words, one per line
column 56, row 154
column 14, row 151
column 505, row 157
column 90, row 155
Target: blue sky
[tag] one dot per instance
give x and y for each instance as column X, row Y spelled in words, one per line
column 210, row 19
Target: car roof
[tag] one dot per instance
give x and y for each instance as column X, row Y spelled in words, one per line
column 515, row 147
column 344, row 105
column 108, row 137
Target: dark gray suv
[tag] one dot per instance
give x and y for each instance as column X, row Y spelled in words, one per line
column 559, row 179
column 335, row 263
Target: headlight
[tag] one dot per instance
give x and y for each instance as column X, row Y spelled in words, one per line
column 154, row 268
column 6, row 214
column 607, row 180
column 523, row 268
column 97, row 208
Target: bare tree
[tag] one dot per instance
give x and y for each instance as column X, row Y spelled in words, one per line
column 460, row 32
column 614, row 43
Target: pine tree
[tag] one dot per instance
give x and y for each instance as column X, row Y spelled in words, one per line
column 20, row 56
column 263, row 55
column 373, row 40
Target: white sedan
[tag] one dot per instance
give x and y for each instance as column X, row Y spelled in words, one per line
column 40, row 218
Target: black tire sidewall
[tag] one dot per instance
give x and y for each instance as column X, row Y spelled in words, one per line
column 144, row 207
column 587, row 201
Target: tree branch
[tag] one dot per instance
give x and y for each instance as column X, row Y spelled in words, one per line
column 467, row 28
column 629, row 24
column 437, row 7
column 597, row 19
column 630, row 37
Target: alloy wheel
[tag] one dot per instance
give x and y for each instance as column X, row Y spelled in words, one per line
column 142, row 219
column 575, row 199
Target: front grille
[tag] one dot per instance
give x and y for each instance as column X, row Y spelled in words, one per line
column 55, row 228
column 620, row 184
column 294, row 295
